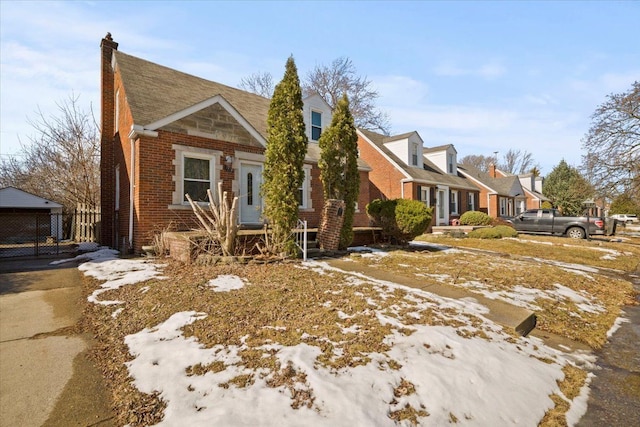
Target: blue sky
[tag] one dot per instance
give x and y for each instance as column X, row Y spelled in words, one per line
column 484, row 76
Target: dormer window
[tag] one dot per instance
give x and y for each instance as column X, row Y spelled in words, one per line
column 316, row 125
column 450, row 162
column 414, row 154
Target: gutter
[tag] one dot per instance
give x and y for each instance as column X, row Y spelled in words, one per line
column 136, row 132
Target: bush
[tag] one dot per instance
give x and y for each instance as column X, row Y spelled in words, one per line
column 475, row 218
column 506, row 231
column 493, row 232
column 400, row 219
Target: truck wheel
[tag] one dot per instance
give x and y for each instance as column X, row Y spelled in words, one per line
column 576, row 233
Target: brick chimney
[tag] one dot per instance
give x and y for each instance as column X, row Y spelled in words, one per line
column 492, row 170
column 107, row 142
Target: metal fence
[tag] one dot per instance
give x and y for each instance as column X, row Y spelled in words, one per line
column 39, row 234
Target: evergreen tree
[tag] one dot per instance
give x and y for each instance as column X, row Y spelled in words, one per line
column 625, row 204
column 339, row 165
column 567, row 189
column 284, row 158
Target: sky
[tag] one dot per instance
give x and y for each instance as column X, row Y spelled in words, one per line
column 484, row 76
column 496, row 381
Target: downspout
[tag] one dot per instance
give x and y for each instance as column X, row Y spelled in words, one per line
column 136, row 132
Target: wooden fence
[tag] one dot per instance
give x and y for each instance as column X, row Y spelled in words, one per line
column 86, row 223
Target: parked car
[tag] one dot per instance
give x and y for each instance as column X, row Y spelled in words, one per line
column 552, row 221
column 626, row 218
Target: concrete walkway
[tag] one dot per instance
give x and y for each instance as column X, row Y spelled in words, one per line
column 46, row 377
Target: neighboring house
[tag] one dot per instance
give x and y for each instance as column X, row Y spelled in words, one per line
column 500, row 194
column 532, row 186
column 166, row 133
column 25, row 216
column 402, row 168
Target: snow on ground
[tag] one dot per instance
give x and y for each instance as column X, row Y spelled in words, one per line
column 474, row 381
column 226, row 283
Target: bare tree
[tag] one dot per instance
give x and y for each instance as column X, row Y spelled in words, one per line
column 612, row 144
column 479, row 162
column 517, row 162
column 260, row 83
column 331, row 82
column 61, row 161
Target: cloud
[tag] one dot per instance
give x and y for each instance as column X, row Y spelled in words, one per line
column 489, row 70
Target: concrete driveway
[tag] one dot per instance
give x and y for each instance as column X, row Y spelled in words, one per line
column 46, row 377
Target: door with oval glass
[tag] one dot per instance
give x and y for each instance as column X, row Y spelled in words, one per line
column 250, row 200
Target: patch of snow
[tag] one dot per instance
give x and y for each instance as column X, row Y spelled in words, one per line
column 226, row 283
column 579, row 404
column 616, row 325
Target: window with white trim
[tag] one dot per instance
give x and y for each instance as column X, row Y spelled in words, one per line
column 303, row 191
column 471, row 201
column 117, row 195
column 424, row 195
column 414, row 154
column 454, row 202
column 117, row 112
column 316, row 125
column 503, row 206
column 450, row 156
column 195, row 173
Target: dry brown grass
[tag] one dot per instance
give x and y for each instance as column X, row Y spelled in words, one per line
column 288, row 305
column 587, row 252
column 282, row 304
column 574, row 379
column 478, row 272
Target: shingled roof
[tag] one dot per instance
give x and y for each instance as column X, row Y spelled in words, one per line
column 430, row 174
column 504, row 186
column 155, row 92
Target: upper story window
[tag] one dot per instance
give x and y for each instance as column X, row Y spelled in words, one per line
column 450, row 162
column 316, row 125
column 414, row 154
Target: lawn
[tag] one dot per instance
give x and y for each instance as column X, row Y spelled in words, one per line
column 303, row 344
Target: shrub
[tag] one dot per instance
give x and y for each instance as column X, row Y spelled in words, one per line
column 506, row 231
column 475, row 218
column 485, row 233
column 400, row 219
column 493, row 232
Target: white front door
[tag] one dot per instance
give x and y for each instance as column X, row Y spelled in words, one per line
column 250, row 200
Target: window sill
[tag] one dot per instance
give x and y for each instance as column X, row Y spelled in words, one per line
column 306, row 210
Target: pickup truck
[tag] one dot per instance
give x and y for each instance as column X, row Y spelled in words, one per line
column 552, row 221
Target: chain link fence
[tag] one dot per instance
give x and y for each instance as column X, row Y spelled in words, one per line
column 40, row 234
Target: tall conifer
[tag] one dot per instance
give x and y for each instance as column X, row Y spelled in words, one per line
column 284, row 158
column 339, row 165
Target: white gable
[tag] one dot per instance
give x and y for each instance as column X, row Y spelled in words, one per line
column 11, row 197
column 408, row 149
column 446, row 159
column 315, row 103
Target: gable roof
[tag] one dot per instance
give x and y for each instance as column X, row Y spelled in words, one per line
column 430, row 174
column 506, row 186
column 155, row 92
column 11, row 197
column 438, row 148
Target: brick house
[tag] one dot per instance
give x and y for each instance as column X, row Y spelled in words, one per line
column 402, row 168
column 166, row 133
column 501, row 194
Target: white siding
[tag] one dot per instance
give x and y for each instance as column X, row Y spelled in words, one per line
column 315, row 103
